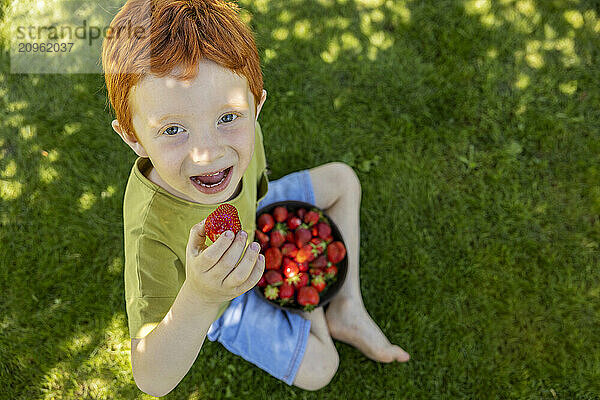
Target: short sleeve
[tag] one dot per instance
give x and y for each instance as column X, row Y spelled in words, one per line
column 153, row 276
column 262, row 183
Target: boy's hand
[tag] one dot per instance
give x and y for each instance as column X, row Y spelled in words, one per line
column 212, row 271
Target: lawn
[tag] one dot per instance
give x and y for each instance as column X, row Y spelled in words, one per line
column 474, row 128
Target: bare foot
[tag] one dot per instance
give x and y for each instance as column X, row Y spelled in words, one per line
column 349, row 322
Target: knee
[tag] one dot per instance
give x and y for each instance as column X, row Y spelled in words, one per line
column 345, row 175
column 318, row 368
column 325, row 371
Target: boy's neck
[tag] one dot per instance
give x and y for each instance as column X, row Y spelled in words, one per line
column 153, row 176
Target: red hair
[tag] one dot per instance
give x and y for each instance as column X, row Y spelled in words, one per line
column 162, row 37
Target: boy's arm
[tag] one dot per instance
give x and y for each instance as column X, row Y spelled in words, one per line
column 161, row 359
column 213, row 275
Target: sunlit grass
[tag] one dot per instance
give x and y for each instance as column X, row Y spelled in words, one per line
column 10, row 190
column 472, row 125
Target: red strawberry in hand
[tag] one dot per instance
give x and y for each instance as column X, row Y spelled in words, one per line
column 336, row 252
column 273, row 258
column 308, row 297
column 280, row 213
column 225, row 217
column 265, row 222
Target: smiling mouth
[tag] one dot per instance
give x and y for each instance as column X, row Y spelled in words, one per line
column 213, row 182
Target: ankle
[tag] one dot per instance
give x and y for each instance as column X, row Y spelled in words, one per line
column 343, row 301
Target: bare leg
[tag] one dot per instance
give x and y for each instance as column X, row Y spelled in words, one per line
column 337, row 192
column 321, row 360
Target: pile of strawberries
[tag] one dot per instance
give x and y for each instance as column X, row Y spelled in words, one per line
column 300, row 256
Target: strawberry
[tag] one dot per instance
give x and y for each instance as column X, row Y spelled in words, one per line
column 262, row 282
column 280, row 213
column 318, row 282
column 271, row 292
column 286, row 293
column 289, row 249
column 336, row 252
column 311, row 218
column 308, row 297
column 301, row 212
column 291, row 270
column 265, row 222
column 289, row 237
column 315, row 272
column 331, row 271
column 320, row 262
column 329, row 239
column 278, row 235
column 305, row 254
column 273, row 258
column 302, row 236
column 287, row 262
column 263, row 239
column 293, row 222
column 318, row 246
column 301, row 280
column 303, row 267
column 314, row 231
column 225, row 217
column 273, row 278
column 323, row 230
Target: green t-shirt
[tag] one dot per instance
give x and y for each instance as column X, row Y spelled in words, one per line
column 157, row 227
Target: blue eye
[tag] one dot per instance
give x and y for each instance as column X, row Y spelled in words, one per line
column 172, row 130
column 227, row 118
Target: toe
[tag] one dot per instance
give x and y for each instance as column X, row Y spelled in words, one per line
column 401, row 355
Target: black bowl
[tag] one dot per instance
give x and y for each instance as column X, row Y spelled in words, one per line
column 332, row 289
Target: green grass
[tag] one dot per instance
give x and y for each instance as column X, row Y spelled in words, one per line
column 475, row 134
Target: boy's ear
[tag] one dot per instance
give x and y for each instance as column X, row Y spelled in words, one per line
column 260, row 104
column 131, row 141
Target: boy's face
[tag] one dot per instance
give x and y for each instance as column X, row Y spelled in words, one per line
column 198, row 134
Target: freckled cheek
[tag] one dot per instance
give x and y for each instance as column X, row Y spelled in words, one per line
column 243, row 143
column 168, row 160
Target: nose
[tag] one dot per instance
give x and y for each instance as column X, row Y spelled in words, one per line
column 207, row 149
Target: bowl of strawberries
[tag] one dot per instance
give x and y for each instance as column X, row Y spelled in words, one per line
column 305, row 255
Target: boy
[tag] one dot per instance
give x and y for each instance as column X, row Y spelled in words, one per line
column 187, row 91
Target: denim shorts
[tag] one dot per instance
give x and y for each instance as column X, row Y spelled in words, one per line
column 269, row 337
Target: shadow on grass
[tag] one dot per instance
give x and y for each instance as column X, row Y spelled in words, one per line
column 473, row 85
